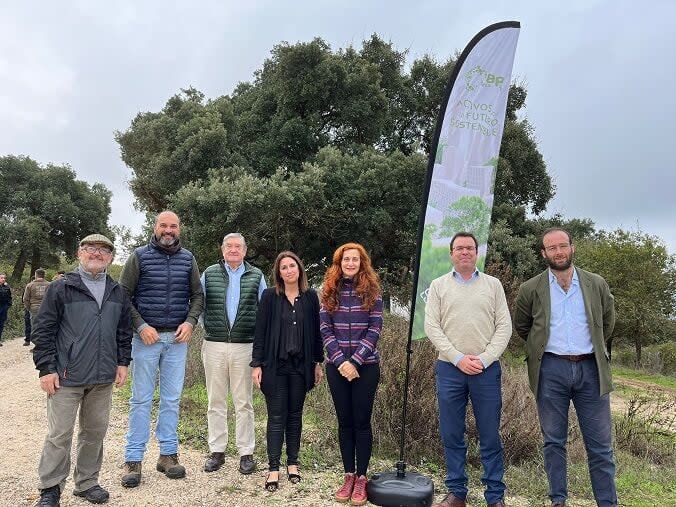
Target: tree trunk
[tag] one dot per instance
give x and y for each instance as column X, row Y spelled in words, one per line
column 35, row 261
column 386, row 301
column 637, row 344
column 19, row 265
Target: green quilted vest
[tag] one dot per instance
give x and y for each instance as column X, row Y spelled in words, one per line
column 216, row 322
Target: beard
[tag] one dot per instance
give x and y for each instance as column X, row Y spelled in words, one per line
column 166, row 239
column 560, row 265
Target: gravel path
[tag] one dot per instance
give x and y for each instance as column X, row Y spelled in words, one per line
column 24, row 426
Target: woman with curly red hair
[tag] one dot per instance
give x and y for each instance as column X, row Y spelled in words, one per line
column 351, row 318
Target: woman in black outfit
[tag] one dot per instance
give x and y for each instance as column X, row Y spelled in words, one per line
column 286, row 359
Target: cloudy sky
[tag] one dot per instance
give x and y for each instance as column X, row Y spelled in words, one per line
column 600, row 78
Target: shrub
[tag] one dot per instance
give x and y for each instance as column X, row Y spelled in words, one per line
column 194, row 369
column 667, row 353
column 647, row 428
column 519, row 424
column 659, row 358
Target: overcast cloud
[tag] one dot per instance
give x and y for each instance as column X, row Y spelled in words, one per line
column 600, row 78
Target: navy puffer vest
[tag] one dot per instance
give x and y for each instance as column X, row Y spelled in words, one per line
column 162, row 295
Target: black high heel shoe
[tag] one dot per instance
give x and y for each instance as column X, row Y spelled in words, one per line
column 272, row 486
column 292, row 478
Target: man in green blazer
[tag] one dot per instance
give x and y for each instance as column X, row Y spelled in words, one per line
column 567, row 315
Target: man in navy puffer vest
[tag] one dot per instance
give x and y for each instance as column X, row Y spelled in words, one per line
column 163, row 281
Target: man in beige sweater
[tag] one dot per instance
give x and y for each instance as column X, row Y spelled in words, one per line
column 467, row 320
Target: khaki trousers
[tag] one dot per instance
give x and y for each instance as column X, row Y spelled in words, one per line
column 62, row 407
column 226, row 368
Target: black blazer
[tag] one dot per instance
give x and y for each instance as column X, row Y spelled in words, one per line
column 267, row 336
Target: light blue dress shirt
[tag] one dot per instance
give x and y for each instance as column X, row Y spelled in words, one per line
column 458, row 278
column 568, row 327
column 232, row 296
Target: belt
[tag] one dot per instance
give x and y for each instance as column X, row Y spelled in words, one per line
column 575, row 359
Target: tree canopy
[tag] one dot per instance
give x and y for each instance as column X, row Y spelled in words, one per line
column 45, row 211
column 642, row 277
column 321, row 147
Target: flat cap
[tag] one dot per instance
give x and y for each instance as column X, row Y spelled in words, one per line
column 97, row 238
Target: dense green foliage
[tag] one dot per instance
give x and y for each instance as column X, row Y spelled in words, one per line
column 642, row 277
column 322, row 147
column 45, row 211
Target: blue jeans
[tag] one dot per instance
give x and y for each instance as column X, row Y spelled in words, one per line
column 169, row 358
column 560, row 382
column 453, row 390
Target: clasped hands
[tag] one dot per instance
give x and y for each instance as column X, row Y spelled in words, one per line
column 348, row 370
column 470, row 364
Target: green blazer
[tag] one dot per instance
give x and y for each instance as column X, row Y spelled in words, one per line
column 533, row 311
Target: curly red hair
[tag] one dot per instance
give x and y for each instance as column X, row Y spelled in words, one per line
column 366, row 282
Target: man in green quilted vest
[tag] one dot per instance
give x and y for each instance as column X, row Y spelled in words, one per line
column 232, row 288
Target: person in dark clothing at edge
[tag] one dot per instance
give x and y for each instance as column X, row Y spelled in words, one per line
column 163, row 281
column 82, row 335
column 351, row 319
column 5, row 302
column 286, row 359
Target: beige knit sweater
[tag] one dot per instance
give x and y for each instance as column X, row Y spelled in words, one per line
column 468, row 318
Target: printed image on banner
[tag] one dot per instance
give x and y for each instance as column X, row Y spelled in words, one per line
column 463, row 178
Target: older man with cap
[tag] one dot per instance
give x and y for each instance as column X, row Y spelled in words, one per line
column 82, row 337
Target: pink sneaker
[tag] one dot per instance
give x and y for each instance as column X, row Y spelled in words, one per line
column 359, row 496
column 345, row 491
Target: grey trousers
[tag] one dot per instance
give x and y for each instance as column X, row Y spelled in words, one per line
column 62, row 407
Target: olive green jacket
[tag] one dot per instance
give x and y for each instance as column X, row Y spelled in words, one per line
column 533, row 311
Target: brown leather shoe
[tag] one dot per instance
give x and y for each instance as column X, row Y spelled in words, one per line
column 168, row 464
column 450, row 500
column 499, row 503
column 559, row 503
column 132, row 474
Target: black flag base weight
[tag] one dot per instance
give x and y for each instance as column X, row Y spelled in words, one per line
column 399, row 488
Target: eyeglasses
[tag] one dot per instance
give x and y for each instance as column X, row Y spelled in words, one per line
column 463, row 248
column 97, row 249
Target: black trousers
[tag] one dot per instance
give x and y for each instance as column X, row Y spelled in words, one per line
column 3, row 316
column 285, row 417
column 354, row 406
